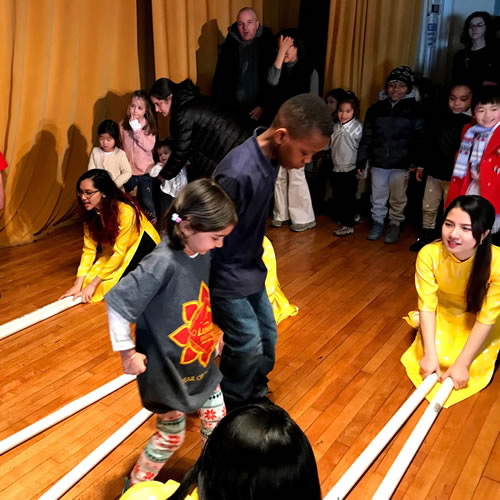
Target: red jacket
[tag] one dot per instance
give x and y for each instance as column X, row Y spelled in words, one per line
column 489, row 178
column 3, row 163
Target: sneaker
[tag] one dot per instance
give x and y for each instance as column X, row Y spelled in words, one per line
column 426, row 236
column 392, row 234
column 279, row 223
column 343, row 231
column 375, row 232
column 357, row 219
column 298, row 228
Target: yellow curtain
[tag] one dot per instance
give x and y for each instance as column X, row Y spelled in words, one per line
column 280, row 14
column 66, row 66
column 368, row 38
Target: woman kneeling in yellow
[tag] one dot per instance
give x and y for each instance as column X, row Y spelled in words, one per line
column 114, row 222
column 458, row 286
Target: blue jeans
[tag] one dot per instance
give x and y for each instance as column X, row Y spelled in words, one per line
column 250, row 337
column 144, row 185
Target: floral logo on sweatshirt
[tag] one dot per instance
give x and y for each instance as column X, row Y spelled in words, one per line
column 196, row 335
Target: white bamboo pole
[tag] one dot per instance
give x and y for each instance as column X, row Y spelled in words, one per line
column 370, row 453
column 31, row 318
column 399, row 466
column 64, row 412
column 74, row 475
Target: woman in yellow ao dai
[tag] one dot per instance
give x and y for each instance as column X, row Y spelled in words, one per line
column 115, row 224
column 456, row 337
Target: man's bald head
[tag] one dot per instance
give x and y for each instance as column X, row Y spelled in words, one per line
column 247, row 23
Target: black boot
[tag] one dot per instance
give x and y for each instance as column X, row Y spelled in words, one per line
column 426, row 236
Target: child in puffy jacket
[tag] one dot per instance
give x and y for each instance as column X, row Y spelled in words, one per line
column 391, row 143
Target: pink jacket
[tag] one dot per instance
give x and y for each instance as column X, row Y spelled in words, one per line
column 139, row 149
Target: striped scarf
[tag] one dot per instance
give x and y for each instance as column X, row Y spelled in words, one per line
column 471, row 149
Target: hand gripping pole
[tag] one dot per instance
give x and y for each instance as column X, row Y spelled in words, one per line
column 398, row 468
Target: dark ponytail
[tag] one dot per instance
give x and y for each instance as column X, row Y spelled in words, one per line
column 482, row 216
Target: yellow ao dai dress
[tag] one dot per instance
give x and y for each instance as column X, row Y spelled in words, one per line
column 113, row 260
column 441, row 281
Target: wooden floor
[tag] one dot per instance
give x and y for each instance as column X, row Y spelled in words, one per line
column 338, row 373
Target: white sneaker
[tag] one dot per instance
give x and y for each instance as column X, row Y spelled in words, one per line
column 343, row 231
column 298, row 228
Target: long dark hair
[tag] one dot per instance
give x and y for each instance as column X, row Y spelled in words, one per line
column 489, row 35
column 202, row 203
column 482, row 216
column 103, row 225
column 150, row 117
column 256, row 452
column 162, row 89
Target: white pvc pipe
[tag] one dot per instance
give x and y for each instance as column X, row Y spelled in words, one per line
column 370, row 453
column 410, row 448
column 64, row 412
column 36, row 316
column 74, row 475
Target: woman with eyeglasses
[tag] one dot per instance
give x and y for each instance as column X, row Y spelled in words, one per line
column 478, row 63
column 115, row 227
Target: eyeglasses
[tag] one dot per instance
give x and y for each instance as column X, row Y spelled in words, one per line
column 397, row 85
column 86, row 194
column 478, row 25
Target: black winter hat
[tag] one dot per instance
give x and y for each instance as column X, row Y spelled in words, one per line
column 402, row 74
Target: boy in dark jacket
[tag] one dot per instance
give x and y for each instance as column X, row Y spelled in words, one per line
column 442, row 141
column 391, row 143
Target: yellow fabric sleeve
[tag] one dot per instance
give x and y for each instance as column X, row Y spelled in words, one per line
column 127, row 234
column 88, row 253
column 490, row 311
column 425, row 281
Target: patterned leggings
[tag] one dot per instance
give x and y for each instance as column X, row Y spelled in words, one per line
column 169, row 436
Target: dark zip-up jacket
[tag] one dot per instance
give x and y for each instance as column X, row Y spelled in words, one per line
column 392, row 135
column 203, row 132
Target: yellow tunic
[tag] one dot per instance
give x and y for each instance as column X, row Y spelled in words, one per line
column 113, row 260
column 441, row 282
column 154, row 490
column 281, row 307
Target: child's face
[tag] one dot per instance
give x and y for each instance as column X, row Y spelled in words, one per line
column 459, row 99
column 396, row 90
column 345, row 113
column 201, row 242
column 487, row 115
column 106, row 142
column 137, row 108
column 331, row 102
column 296, row 152
column 164, row 154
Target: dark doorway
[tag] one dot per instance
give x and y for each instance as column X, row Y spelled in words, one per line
column 313, row 24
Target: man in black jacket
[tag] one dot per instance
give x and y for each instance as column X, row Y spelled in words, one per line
column 240, row 79
column 202, row 131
